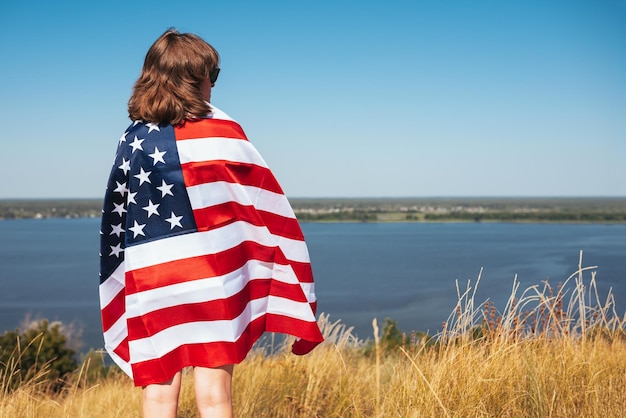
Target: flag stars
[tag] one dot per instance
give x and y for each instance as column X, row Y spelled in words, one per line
column 166, row 189
column 119, row 208
column 131, row 198
column 151, row 209
column 136, row 144
column 143, row 176
column 121, row 188
column 117, row 229
column 125, row 166
column 137, row 229
column 123, row 137
column 116, row 250
column 152, row 127
column 174, row 221
column 157, row 156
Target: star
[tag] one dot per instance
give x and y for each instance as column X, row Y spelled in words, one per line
column 166, row 189
column 137, row 229
column 123, row 137
column 151, row 208
column 116, row 250
column 119, row 208
column 136, row 144
column 131, row 198
column 143, row 176
column 174, row 221
column 125, row 165
column 117, row 229
column 152, row 127
column 157, row 156
column 121, row 188
column 137, row 122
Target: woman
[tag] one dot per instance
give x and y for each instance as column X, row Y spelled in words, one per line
column 200, row 251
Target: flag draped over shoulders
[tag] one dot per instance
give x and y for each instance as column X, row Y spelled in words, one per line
column 200, row 252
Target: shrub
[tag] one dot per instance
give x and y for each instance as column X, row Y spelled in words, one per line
column 36, row 354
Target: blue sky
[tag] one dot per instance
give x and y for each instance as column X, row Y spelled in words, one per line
column 342, row 98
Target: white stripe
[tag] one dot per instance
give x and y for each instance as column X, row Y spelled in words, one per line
column 206, row 290
column 111, row 286
column 112, row 339
column 309, row 291
column 116, row 334
column 217, row 148
column 210, row 194
column 210, row 242
column 218, row 114
column 126, row 368
column 169, row 339
column 293, row 249
column 290, row 308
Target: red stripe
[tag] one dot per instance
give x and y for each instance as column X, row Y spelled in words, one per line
column 282, row 226
column 298, row 328
column 221, row 353
column 201, row 267
column 303, row 271
column 228, row 212
column 202, row 172
column 225, row 213
column 214, row 310
column 113, row 311
column 204, row 355
column 206, row 128
column 123, row 350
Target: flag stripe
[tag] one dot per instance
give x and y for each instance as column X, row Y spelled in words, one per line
column 206, row 195
column 222, row 214
column 208, row 172
column 210, row 242
column 167, row 340
column 204, row 355
column 123, row 350
column 111, row 286
column 112, row 312
column 218, row 149
column 216, row 128
column 116, row 338
column 210, row 266
column 201, row 308
column 195, row 268
column 217, row 287
column 210, row 354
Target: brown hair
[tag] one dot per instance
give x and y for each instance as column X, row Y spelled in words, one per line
column 168, row 89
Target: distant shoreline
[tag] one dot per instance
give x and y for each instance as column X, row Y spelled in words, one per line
column 608, row 210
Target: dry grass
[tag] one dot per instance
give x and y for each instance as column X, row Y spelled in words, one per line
column 549, row 353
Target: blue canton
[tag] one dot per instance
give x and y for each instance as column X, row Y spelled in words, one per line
column 146, row 198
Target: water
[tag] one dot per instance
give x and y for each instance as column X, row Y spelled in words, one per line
column 404, row 271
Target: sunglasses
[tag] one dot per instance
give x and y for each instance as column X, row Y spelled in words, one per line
column 213, row 74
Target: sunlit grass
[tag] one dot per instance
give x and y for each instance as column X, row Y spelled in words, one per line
column 551, row 351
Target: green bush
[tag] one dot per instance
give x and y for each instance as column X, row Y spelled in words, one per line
column 36, row 354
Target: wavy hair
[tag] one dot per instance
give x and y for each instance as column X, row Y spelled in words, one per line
column 168, row 88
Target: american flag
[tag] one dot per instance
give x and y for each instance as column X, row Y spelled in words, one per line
column 200, row 252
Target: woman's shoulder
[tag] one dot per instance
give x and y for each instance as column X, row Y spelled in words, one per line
column 217, row 113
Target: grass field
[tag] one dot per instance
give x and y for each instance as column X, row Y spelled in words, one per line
column 550, row 352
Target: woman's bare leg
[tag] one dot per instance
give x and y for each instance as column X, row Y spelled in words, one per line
column 160, row 400
column 213, row 391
